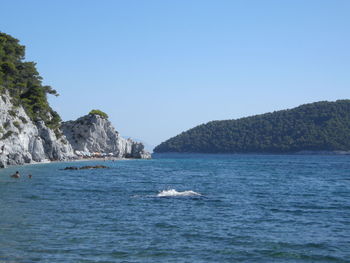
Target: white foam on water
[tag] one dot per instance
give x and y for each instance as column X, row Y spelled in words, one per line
column 173, row 192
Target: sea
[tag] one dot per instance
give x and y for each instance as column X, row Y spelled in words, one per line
column 179, row 208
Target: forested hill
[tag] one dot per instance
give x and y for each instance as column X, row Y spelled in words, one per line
column 22, row 81
column 319, row 126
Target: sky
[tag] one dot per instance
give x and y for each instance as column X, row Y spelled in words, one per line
column 160, row 67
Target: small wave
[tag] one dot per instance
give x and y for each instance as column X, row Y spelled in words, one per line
column 173, row 192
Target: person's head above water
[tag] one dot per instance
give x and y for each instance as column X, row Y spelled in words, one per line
column 16, row 175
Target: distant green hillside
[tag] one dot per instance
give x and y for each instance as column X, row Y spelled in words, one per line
column 319, row 126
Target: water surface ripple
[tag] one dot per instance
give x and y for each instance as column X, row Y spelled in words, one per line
column 179, row 208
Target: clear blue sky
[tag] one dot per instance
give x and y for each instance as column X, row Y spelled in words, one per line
column 161, row 67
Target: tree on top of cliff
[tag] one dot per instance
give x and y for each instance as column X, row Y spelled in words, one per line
column 23, row 82
column 100, row 113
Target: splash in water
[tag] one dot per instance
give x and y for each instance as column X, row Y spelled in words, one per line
column 173, row 192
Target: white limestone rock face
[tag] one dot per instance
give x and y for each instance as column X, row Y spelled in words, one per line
column 93, row 133
column 22, row 141
column 55, row 149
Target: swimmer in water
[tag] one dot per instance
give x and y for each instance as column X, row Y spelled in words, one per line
column 16, row 175
column 29, row 176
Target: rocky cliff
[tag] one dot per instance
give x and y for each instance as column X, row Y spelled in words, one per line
column 95, row 134
column 30, row 129
column 24, row 141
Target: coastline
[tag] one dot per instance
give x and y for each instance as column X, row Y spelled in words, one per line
column 98, row 159
column 258, row 153
column 84, row 160
column 183, row 154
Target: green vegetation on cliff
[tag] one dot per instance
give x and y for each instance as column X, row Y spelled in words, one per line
column 100, row 113
column 320, row 126
column 23, row 82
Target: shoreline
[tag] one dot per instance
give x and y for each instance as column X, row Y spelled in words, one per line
column 333, row 153
column 84, row 160
column 99, row 159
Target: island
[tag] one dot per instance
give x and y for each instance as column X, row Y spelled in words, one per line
column 320, row 127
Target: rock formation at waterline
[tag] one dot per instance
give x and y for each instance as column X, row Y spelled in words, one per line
column 94, row 133
column 24, row 141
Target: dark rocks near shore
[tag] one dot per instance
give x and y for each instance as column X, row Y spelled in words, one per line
column 87, row 167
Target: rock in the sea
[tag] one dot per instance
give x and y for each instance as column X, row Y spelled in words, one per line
column 87, row 167
column 95, row 134
column 24, row 141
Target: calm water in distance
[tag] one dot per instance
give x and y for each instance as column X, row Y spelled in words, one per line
column 179, row 208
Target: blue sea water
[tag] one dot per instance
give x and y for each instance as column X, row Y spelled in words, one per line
column 179, row 208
